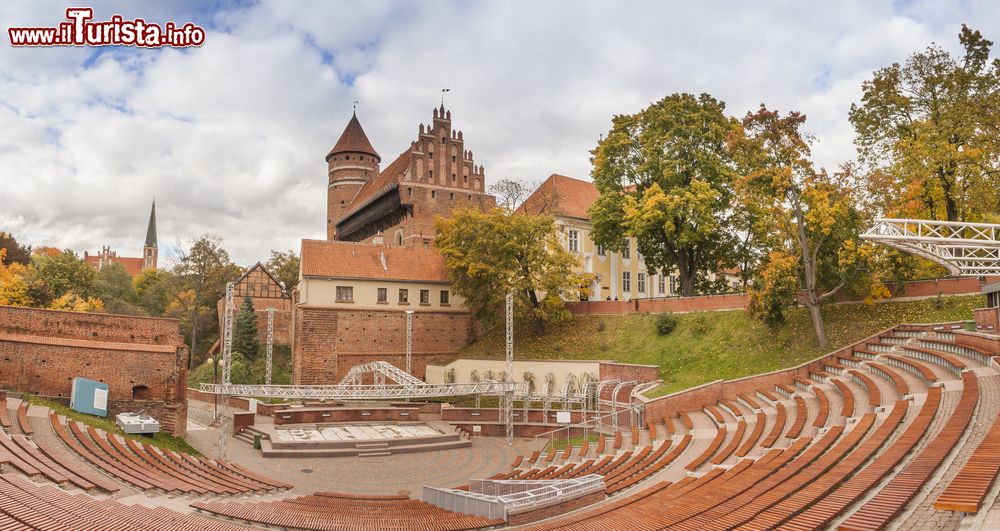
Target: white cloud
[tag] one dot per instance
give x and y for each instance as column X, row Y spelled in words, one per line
column 231, row 136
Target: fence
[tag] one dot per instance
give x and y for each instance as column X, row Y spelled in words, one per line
column 498, row 498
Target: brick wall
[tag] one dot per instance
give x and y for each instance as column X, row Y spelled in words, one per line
column 986, row 343
column 41, row 351
column 328, row 342
column 912, row 289
column 987, row 319
column 629, row 372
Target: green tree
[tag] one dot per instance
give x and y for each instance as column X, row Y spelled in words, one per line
column 65, row 272
column 285, row 267
column 245, row 330
column 113, row 285
column 665, row 178
column 488, row 254
column 15, row 253
column 201, row 275
column 815, row 214
column 153, row 290
column 927, row 132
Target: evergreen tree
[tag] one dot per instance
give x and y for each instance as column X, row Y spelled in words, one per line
column 245, row 331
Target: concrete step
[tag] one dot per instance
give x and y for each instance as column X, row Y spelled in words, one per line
column 374, row 454
column 372, row 446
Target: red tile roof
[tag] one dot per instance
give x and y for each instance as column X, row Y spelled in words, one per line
column 132, row 265
column 338, row 259
column 561, row 195
column 353, row 140
column 375, row 187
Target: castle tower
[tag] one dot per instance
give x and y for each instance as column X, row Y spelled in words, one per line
column 351, row 163
column 149, row 250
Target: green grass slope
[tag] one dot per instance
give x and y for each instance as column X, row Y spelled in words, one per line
column 717, row 345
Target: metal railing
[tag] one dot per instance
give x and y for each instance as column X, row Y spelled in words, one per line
column 497, row 498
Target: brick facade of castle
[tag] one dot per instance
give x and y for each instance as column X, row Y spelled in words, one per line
column 143, row 360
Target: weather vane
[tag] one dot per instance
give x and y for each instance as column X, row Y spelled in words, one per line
column 442, row 95
column 356, row 105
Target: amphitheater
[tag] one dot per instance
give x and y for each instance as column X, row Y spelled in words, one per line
column 899, row 431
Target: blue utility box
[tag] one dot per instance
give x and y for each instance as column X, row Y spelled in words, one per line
column 88, row 396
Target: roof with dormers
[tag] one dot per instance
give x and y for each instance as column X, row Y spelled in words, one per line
column 353, row 140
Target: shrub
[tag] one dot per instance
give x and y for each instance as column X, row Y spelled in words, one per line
column 600, row 326
column 665, row 323
column 699, row 324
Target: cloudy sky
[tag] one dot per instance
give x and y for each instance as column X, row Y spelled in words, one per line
column 230, row 137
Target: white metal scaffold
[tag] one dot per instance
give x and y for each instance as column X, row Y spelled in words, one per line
column 965, row 249
column 270, row 344
column 507, row 406
column 409, row 341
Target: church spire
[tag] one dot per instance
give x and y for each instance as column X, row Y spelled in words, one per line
column 151, row 228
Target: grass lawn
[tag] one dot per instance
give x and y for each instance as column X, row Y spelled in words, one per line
column 163, row 440
column 710, row 346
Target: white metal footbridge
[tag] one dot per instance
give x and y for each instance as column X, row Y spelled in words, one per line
column 965, row 249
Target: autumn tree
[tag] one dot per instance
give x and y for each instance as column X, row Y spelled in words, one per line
column 153, row 290
column 113, row 285
column 927, row 133
column 14, row 252
column 665, row 177
column 511, row 192
column 814, row 214
column 64, row 272
column 488, row 254
column 284, row 265
column 201, row 275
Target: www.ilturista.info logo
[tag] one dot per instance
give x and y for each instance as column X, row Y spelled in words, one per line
column 78, row 30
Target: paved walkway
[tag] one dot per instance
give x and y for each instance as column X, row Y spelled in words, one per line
column 402, row 473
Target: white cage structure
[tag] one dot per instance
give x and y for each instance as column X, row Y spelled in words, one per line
column 965, row 249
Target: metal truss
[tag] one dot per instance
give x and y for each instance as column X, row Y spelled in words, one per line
column 365, row 392
column 965, row 249
column 270, row 344
column 227, row 336
column 507, row 400
column 380, row 370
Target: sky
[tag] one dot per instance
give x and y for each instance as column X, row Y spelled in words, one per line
column 230, row 137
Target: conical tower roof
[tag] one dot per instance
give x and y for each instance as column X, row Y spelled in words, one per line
column 354, row 140
column 151, row 228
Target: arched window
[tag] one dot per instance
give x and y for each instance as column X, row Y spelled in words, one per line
column 140, row 392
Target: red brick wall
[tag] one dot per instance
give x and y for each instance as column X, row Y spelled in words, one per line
column 987, row 344
column 328, row 342
column 917, row 288
column 41, row 351
column 987, row 319
column 628, row 372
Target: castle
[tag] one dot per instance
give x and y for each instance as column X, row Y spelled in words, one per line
column 397, row 205
column 134, row 266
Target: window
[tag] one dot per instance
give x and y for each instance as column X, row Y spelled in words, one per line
column 601, row 251
column 626, row 252
column 466, row 177
column 453, row 177
column 345, row 294
column 451, row 196
column 383, row 295
column 404, row 296
column 409, row 190
column 434, row 193
column 640, row 281
column 673, row 285
column 430, row 173
column 574, row 241
column 638, row 255
column 454, row 158
column 425, row 296
column 626, row 281
column 444, row 297
column 661, row 284
column 430, row 155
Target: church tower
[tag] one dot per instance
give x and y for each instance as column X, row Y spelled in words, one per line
column 149, row 250
column 351, row 163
